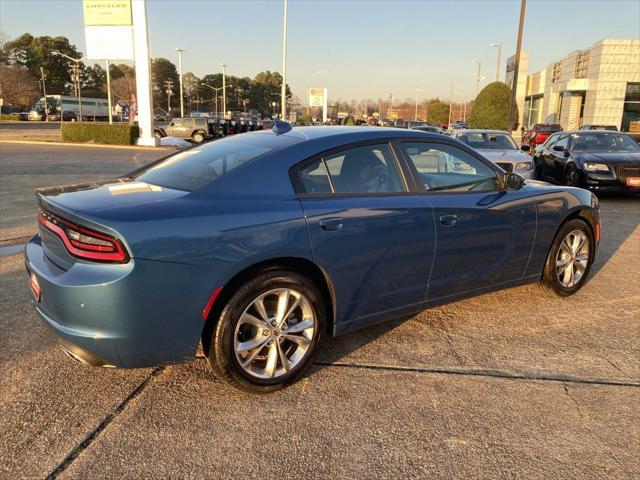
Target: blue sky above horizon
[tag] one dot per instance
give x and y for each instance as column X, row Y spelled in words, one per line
column 356, row 48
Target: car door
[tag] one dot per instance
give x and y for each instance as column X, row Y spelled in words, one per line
column 555, row 159
column 370, row 234
column 540, row 157
column 484, row 233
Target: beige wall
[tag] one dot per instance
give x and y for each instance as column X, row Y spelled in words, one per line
column 601, row 72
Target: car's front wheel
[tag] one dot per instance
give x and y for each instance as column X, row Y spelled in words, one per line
column 570, row 259
column 198, row 137
column 268, row 332
column 571, row 176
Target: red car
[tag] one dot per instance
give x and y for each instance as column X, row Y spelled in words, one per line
column 539, row 133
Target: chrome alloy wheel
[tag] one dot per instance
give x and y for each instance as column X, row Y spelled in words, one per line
column 274, row 333
column 572, row 258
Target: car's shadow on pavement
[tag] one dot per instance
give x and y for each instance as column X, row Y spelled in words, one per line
column 615, row 232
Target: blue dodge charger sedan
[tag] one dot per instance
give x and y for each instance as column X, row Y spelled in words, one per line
column 259, row 244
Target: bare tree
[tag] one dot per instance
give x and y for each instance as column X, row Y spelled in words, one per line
column 17, row 87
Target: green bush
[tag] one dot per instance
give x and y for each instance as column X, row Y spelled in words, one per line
column 117, row 134
column 491, row 108
column 9, row 116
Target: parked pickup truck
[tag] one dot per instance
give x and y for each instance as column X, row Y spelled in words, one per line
column 189, row 128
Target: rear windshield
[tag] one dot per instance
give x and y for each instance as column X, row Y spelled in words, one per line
column 548, row 128
column 488, row 141
column 196, row 167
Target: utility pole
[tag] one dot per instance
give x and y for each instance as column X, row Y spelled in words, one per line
column 75, row 78
column 224, row 89
column 415, row 116
column 283, row 94
column 109, row 92
column 390, row 109
column 169, row 91
column 44, row 93
column 499, row 47
column 179, row 50
column 514, row 85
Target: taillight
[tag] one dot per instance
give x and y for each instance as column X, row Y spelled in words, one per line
column 540, row 138
column 82, row 242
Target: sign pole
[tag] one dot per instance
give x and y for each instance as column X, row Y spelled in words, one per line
column 324, row 105
column 109, row 92
column 143, row 73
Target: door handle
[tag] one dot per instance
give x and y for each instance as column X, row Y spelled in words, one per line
column 331, row 224
column 448, row 220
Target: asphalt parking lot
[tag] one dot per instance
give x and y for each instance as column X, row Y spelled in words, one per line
column 509, row 384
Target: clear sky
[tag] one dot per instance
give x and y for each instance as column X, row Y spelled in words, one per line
column 356, row 48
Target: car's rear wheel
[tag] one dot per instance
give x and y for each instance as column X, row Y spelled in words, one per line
column 268, row 332
column 570, row 259
column 198, row 137
column 157, row 135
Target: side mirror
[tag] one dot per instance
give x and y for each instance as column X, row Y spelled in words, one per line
column 525, row 148
column 513, row 181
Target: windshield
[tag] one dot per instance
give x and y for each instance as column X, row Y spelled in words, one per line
column 488, row 141
column 603, row 142
column 196, row 167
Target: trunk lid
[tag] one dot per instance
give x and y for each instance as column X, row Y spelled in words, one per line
column 77, row 203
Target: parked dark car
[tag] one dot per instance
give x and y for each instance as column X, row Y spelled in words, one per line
column 259, row 244
column 611, row 128
column 598, row 160
column 189, row 128
column 66, row 117
column 540, row 132
column 431, row 129
column 414, row 123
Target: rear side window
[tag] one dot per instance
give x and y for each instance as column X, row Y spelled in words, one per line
column 367, row 169
column 196, row 167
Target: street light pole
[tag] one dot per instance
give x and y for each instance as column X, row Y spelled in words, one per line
column 415, row 116
column 179, row 50
column 450, row 101
column 283, row 102
column 215, row 91
column 109, row 92
column 224, row 89
column 499, row 47
column 479, row 63
column 514, row 85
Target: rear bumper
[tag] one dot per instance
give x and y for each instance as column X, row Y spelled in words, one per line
column 139, row 314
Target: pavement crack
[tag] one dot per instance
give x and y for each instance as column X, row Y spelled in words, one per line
column 491, row 373
column 111, row 416
column 566, row 390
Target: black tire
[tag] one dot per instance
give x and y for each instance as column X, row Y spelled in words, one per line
column 220, row 350
column 550, row 281
column 571, row 176
column 157, row 135
column 198, row 137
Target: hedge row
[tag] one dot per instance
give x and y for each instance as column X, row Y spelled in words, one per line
column 9, row 116
column 119, row 134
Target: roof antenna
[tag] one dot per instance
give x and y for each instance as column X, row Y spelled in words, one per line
column 280, row 127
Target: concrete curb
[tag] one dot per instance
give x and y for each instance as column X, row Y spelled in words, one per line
column 99, row 145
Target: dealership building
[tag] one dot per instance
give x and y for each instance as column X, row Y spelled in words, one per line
column 599, row 85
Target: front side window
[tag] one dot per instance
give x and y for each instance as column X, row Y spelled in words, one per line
column 551, row 141
column 367, row 169
column 448, row 168
column 563, row 141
